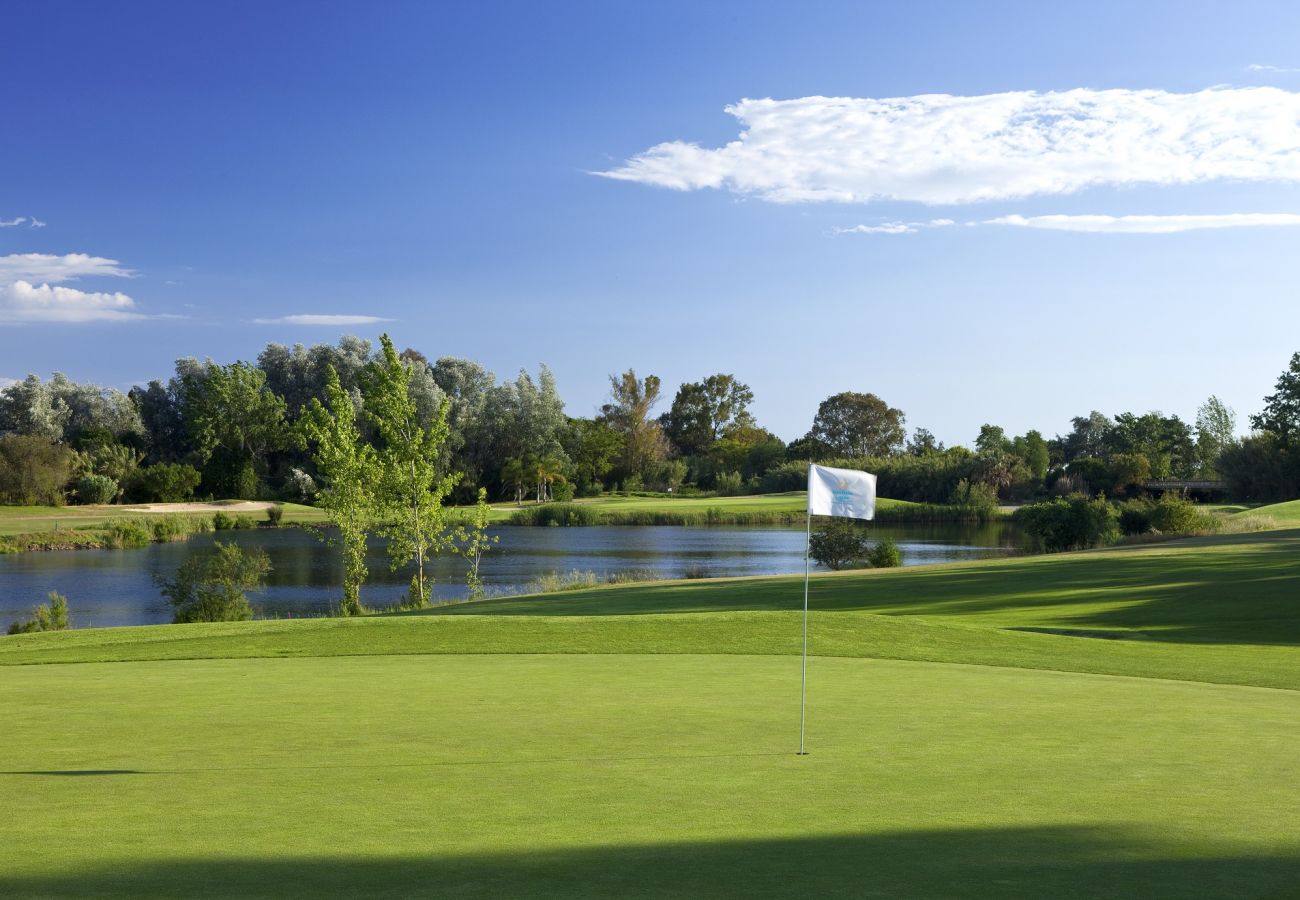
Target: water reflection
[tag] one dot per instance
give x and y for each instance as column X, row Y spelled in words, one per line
column 116, row 587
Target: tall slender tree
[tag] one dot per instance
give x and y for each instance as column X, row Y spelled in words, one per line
column 410, row 489
column 350, row 471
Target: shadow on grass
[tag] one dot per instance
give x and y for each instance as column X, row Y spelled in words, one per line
column 76, row 773
column 1059, row 862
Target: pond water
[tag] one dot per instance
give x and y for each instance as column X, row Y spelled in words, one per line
column 117, row 587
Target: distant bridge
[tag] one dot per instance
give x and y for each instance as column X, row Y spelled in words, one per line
column 1172, row 484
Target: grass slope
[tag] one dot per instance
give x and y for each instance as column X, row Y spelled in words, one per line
column 16, row 520
column 638, row 741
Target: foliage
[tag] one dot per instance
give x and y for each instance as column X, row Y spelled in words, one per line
column 274, row 513
column 473, row 542
column 234, row 420
column 1076, row 522
column 163, row 483
column 49, row 616
column 33, row 470
column 210, row 587
column 702, row 411
column 1216, row 427
column 978, row 500
column 1261, row 468
column 222, row 521
column 728, row 484
column 854, row 424
column 96, row 489
column 884, row 554
column 408, row 497
column 556, row 514
column 839, row 544
column 127, row 534
column 65, row 412
column 628, row 413
column 350, row 470
column 1280, row 416
column 1175, row 514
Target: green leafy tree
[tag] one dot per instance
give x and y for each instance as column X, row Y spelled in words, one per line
column 1281, row 414
column 210, row 587
column 350, row 473
column 1216, row 426
column 474, row 542
column 33, row 470
column 50, row 616
column 410, row 491
column 234, row 420
column 839, row 544
column 856, row 425
column 628, row 413
column 703, row 410
column 592, row 447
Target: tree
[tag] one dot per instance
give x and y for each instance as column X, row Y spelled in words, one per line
column 234, row 420
column 350, row 472
column 839, row 544
column 992, row 441
column 1033, row 450
column 1166, row 442
column 1216, row 426
column 1088, row 437
column 475, row 542
column 1281, row 414
column 628, row 412
column 924, row 443
column 592, row 447
column 410, row 490
column 854, row 424
column 210, row 587
column 33, row 470
column 703, row 410
column 49, row 616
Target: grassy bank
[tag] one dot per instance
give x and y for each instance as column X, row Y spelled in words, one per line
column 763, row 509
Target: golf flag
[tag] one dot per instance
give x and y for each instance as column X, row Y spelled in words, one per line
column 841, row 492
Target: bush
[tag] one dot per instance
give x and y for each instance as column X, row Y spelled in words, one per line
column 244, row 521
column 554, row 582
column 51, row 616
column 123, row 534
column 1135, row 517
column 1174, row 514
column 728, row 484
column 555, row 514
column 1075, row 522
column 301, row 486
column 162, row 483
column 839, row 544
column 978, row 500
column 564, row 491
column 885, row 555
column 98, row 489
column 274, row 514
column 222, row 522
column 210, row 587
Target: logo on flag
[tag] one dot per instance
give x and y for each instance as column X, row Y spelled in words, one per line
column 846, row 493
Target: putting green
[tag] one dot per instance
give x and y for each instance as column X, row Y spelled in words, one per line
column 618, row 775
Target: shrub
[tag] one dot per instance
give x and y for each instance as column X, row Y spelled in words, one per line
column 555, row 514
column 162, row 483
column 222, row 522
column 51, row 616
column 885, row 555
column 96, row 489
column 274, row 514
column 554, row 582
column 728, row 484
column 210, row 587
column 122, row 534
column 1174, row 514
column 564, row 491
column 244, row 521
column 1135, row 516
column 839, row 544
column 1075, row 522
column 301, row 486
column 978, row 500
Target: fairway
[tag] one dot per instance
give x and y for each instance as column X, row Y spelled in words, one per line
column 639, row 741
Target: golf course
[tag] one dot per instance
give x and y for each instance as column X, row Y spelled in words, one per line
column 1108, row 723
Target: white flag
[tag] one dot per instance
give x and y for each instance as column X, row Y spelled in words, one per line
column 841, row 492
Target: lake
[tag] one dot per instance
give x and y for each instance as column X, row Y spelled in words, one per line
column 116, row 587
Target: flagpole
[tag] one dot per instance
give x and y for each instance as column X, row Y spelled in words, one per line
column 803, row 666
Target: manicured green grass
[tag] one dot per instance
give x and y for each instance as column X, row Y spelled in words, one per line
column 41, row 519
column 1286, row 514
column 638, row 741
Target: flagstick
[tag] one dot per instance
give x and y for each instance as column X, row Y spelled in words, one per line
column 803, row 673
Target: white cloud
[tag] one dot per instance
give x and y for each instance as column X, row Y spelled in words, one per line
column 1259, row 67
column 37, row 223
column 1147, row 224
column 895, row 227
column 12, row 223
column 938, row 148
column 23, row 301
column 54, row 269
column 311, row 319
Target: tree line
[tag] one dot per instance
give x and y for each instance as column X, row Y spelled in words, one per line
column 244, row 430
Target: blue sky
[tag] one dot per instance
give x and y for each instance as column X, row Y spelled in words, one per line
column 434, row 165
